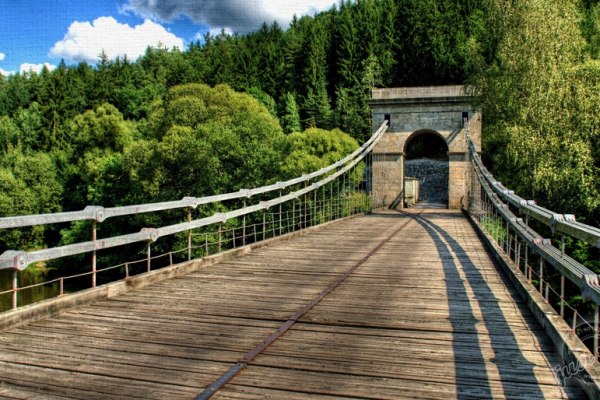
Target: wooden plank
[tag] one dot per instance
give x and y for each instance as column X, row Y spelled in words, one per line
column 377, row 388
column 58, row 382
column 251, row 393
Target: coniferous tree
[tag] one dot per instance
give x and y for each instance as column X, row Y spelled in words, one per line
column 290, row 121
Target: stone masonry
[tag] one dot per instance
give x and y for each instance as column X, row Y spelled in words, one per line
column 438, row 110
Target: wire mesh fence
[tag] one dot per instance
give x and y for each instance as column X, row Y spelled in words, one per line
column 338, row 192
column 558, row 278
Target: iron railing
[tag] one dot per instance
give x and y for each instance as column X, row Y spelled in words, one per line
column 493, row 207
column 301, row 202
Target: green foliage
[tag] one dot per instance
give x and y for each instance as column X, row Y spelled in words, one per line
column 539, row 94
column 290, row 121
column 316, row 148
column 590, row 26
column 264, row 99
column 28, row 185
column 173, row 123
column 22, row 131
column 208, row 141
column 99, row 138
column 169, row 124
column 9, row 134
column 329, row 61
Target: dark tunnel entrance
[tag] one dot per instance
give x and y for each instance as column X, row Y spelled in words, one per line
column 426, row 159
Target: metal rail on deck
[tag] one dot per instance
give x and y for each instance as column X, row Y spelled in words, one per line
column 334, row 208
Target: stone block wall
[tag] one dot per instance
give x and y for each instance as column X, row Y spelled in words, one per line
column 459, row 180
column 416, row 92
column 388, row 181
column 414, row 111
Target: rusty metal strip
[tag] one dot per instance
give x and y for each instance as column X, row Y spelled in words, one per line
column 223, row 379
column 245, row 360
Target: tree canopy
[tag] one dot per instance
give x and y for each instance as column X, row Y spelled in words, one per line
column 236, row 111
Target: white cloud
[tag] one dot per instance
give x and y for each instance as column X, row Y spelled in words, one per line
column 3, row 72
column 84, row 41
column 37, row 68
column 235, row 15
column 6, row 73
column 217, row 31
column 283, row 10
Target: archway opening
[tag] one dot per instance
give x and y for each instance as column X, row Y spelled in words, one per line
column 426, row 160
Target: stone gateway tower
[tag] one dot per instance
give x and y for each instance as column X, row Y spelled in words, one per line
column 414, row 111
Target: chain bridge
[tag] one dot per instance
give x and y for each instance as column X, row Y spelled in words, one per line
column 327, row 286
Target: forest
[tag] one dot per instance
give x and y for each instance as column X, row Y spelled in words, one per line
column 245, row 110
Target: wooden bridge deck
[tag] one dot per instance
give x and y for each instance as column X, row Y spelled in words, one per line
column 429, row 315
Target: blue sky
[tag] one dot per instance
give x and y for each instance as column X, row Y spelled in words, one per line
column 44, row 31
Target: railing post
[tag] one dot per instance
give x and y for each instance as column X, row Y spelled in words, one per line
column 519, row 256
column 126, row 271
column 486, row 215
column 596, row 320
column 14, row 290
column 220, row 233
column 233, row 236
column 350, row 190
column 206, row 244
column 541, row 274
column 294, row 215
column 562, row 295
column 244, row 227
column 280, row 226
column 94, row 255
column 305, row 205
column 170, row 258
column 507, row 238
column 323, row 206
column 189, row 235
column 264, row 224
column 343, row 211
column 149, row 256
column 315, row 208
column 496, row 225
column 331, row 200
column 61, row 291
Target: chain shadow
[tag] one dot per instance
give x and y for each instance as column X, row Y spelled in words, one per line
column 463, row 319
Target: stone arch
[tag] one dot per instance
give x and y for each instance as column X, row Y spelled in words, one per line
column 410, row 112
column 430, row 167
column 419, row 132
